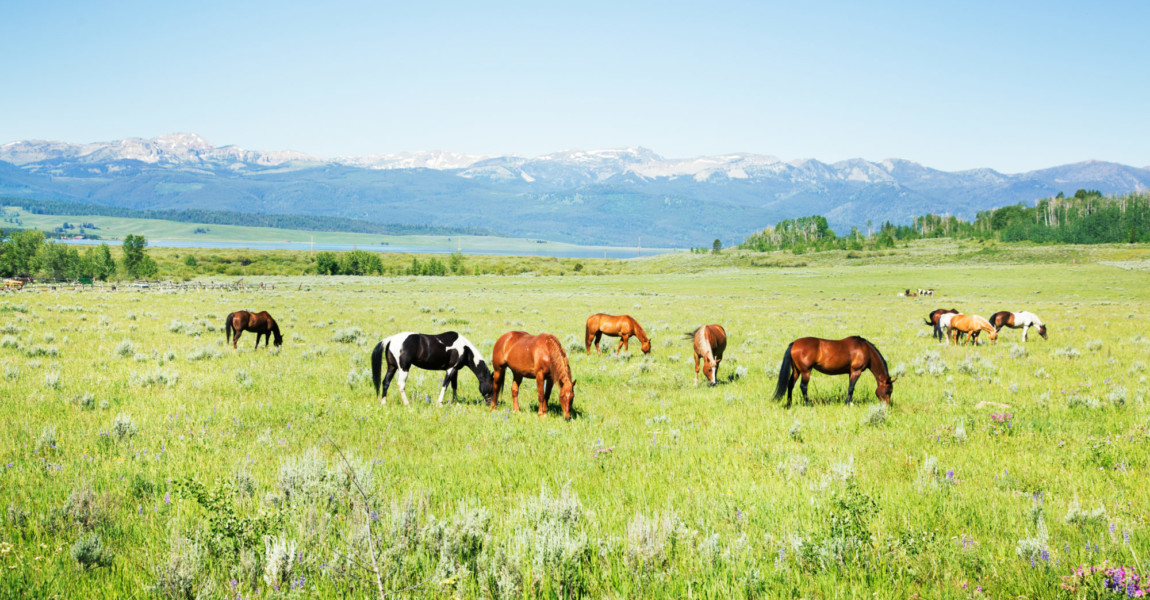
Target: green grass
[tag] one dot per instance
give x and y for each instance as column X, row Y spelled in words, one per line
column 116, row 228
column 682, row 491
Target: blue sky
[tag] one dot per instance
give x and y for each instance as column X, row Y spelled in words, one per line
column 1008, row 85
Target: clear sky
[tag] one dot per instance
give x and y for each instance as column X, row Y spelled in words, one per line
column 955, row 85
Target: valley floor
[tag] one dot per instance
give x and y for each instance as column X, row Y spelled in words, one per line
column 139, row 444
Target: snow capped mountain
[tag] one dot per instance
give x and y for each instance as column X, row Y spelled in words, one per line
column 170, row 149
column 565, row 195
column 437, row 160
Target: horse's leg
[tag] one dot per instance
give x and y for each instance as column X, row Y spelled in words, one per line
column 791, row 384
column 446, row 380
column 454, row 386
column 515, row 392
column 236, row 337
column 257, row 341
column 543, row 384
column 402, row 381
column 1025, row 328
column 696, row 369
column 496, row 386
column 588, row 338
column 386, row 382
column 598, row 336
column 851, row 386
column 622, row 343
column 803, row 386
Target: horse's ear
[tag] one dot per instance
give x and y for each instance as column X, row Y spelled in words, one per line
column 893, row 379
column 573, row 382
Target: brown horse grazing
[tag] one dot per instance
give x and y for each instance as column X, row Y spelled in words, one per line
column 932, row 320
column 851, row 355
column 710, row 341
column 622, row 326
column 972, row 324
column 262, row 323
column 539, row 356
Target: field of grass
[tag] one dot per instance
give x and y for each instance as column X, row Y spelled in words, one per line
column 116, row 228
column 143, row 458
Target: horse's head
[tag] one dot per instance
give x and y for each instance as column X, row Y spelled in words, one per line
column 710, row 367
column 567, row 398
column 486, row 382
column 1042, row 331
column 992, row 334
column 647, row 346
column 885, row 389
column 279, row 338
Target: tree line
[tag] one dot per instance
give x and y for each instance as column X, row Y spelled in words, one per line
column 1087, row 217
column 223, row 217
column 30, row 254
column 362, row 262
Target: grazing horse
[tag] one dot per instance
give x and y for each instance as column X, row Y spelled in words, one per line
column 972, row 324
column 1015, row 320
column 851, row 355
column 262, row 323
column 934, row 316
column 447, row 351
column 622, row 326
column 710, row 341
column 539, row 356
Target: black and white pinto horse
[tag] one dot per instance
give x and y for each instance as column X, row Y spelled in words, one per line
column 444, row 352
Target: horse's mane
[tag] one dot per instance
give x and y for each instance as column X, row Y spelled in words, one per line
column 876, row 351
column 638, row 328
column 558, row 356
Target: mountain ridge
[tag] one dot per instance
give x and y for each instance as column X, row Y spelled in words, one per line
column 608, row 196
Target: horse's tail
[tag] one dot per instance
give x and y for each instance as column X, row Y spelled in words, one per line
column 786, row 373
column 228, row 327
column 377, row 366
column 690, row 335
column 930, row 320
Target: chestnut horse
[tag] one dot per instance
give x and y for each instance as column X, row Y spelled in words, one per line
column 972, row 324
column 262, row 323
column 539, row 356
column 710, row 341
column 622, row 326
column 1016, row 320
column 932, row 320
column 851, row 355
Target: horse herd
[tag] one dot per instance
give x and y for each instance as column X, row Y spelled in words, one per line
column 949, row 324
column 543, row 358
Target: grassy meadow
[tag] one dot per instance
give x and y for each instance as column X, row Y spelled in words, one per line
column 144, row 458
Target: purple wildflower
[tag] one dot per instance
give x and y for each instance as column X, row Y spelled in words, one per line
column 168, row 497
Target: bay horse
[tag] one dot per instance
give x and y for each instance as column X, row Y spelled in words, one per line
column 1015, row 320
column 261, row 323
column 539, row 356
column 972, row 324
column 933, row 317
column 622, row 326
column 851, row 355
column 709, row 343
column 447, row 351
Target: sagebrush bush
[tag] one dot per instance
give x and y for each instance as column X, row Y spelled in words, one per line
column 125, row 348
column 89, row 552
column 123, row 427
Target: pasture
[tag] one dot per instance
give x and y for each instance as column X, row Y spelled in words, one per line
column 142, row 457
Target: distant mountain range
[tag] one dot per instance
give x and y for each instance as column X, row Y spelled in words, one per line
column 595, row 197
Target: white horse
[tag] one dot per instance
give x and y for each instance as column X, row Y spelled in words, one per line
column 1015, row 320
column 944, row 325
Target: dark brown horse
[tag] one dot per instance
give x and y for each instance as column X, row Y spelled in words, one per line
column 261, row 323
column 709, row 342
column 622, row 326
column 539, row 356
column 932, row 320
column 851, row 355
